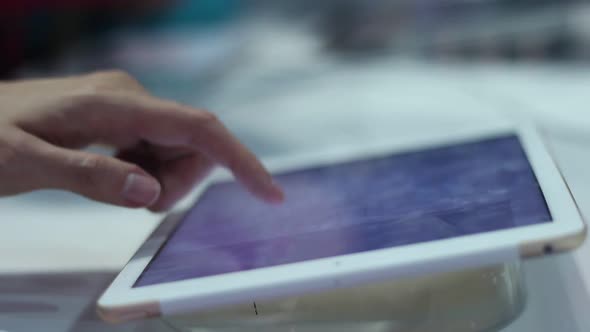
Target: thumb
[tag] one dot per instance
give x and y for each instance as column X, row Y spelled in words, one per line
column 98, row 177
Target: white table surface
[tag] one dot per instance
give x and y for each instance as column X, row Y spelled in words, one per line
column 58, row 234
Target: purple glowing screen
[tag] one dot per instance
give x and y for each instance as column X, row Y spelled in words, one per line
column 405, row 198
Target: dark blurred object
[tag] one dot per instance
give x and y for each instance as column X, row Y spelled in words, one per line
column 500, row 29
column 33, row 32
column 36, row 30
column 362, row 25
column 510, row 30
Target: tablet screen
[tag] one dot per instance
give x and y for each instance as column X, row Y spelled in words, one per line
column 401, row 199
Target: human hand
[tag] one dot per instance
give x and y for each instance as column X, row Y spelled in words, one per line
column 164, row 148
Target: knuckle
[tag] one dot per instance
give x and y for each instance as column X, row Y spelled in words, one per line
column 168, row 105
column 96, row 167
column 203, row 122
column 114, row 74
column 205, row 118
column 83, row 102
column 112, row 80
column 190, row 115
column 89, row 170
column 89, row 163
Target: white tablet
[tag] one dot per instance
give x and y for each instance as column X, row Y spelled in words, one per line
column 354, row 215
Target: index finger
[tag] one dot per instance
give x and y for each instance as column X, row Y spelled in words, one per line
column 172, row 124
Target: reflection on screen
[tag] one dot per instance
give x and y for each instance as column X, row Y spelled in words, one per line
column 354, row 207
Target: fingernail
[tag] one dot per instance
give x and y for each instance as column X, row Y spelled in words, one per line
column 276, row 194
column 141, row 190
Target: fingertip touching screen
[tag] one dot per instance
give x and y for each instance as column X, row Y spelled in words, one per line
column 358, row 206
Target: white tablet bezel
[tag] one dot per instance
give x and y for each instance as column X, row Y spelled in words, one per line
column 567, row 230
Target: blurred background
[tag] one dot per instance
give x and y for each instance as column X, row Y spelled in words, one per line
column 223, row 54
column 41, row 37
column 40, row 33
